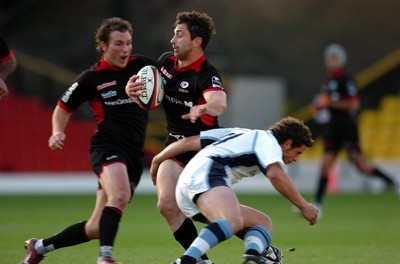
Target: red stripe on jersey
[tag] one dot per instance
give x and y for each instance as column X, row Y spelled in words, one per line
column 206, row 118
column 196, row 66
column 337, row 73
column 63, row 106
column 213, row 89
column 98, row 110
column 103, row 65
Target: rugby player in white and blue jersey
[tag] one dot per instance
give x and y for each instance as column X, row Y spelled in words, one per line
column 227, row 155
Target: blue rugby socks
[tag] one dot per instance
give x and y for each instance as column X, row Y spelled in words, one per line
column 256, row 240
column 209, row 237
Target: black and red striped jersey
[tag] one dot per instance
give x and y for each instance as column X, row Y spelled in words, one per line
column 118, row 118
column 339, row 86
column 184, row 88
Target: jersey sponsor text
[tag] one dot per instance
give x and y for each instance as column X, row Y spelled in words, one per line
column 68, row 93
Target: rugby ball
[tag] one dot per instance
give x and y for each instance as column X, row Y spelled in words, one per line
column 153, row 92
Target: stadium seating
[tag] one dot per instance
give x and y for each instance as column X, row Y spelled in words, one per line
column 25, row 126
column 380, row 129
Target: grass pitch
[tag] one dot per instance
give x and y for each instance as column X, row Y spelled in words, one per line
column 355, row 229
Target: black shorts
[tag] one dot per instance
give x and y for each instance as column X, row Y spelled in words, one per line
column 184, row 158
column 342, row 136
column 105, row 153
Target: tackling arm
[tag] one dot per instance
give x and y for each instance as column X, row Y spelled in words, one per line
column 174, row 149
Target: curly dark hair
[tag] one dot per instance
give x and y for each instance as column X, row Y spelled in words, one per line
column 109, row 25
column 199, row 25
column 294, row 129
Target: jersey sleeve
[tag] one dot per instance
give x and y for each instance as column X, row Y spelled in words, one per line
column 268, row 150
column 210, row 136
column 160, row 61
column 211, row 80
column 76, row 94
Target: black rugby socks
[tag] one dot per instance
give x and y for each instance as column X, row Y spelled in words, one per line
column 72, row 235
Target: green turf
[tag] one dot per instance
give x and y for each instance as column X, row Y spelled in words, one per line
column 355, row 229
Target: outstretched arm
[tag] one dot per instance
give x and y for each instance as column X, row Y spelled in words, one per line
column 215, row 105
column 283, row 184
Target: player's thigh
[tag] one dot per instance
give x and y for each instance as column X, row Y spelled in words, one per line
column 114, row 179
column 221, row 203
column 167, row 177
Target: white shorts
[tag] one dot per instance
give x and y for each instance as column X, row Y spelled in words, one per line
column 196, row 178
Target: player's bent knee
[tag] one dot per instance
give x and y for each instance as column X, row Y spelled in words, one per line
column 267, row 223
column 120, row 200
column 168, row 209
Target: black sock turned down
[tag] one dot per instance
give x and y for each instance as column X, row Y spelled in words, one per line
column 72, row 235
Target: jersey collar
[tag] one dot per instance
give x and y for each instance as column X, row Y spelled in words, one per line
column 103, row 65
column 196, row 66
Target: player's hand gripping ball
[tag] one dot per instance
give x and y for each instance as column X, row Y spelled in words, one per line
column 153, row 92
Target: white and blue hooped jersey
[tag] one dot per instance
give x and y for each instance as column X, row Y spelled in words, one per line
column 242, row 152
column 228, row 155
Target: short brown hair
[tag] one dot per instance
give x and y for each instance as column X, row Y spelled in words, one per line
column 109, row 25
column 199, row 25
column 294, row 129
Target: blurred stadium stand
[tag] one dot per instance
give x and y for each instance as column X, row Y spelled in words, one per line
column 25, row 129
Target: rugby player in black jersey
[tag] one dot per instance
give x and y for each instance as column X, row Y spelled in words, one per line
column 8, row 64
column 194, row 98
column 116, row 148
column 336, row 107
